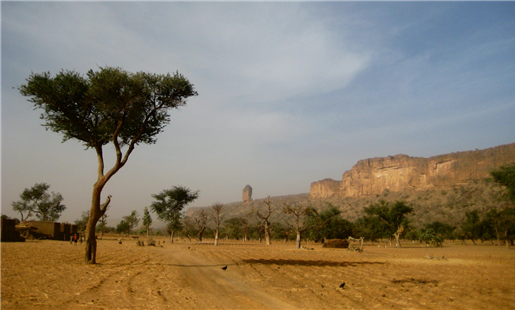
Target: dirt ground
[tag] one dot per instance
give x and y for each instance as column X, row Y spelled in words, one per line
column 52, row 275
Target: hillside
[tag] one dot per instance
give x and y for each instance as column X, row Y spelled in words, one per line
column 444, row 205
column 440, row 188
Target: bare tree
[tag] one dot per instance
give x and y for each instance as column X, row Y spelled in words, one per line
column 265, row 216
column 188, row 227
column 245, row 224
column 217, row 217
column 201, row 220
column 299, row 226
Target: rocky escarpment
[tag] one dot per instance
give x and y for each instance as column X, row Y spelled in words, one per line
column 401, row 172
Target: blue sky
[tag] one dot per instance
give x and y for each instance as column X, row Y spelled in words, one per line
column 289, row 93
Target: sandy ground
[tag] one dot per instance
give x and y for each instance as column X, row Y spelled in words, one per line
column 184, row 275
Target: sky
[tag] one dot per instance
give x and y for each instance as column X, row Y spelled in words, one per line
column 289, row 93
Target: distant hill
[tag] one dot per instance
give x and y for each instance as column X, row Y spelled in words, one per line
column 401, row 172
column 440, row 188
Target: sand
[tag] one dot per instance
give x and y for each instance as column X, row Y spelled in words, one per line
column 188, row 275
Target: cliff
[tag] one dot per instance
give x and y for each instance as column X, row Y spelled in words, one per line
column 402, row 172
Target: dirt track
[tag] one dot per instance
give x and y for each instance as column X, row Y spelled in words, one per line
column 51, row 275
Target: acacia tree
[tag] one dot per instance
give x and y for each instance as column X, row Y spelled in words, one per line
column 169, row 205
column 217, row 217
column 108, row 106
column 265, row 216
column 131, row 220
column 394, row 218
column 36, row 200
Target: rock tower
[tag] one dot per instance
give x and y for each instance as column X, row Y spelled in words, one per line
column 247, row 194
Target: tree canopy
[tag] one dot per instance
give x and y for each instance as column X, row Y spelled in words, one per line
column 36, row 200
column 392, row 220
column 132, row 220
column 147, row 220
column 109, row 105
column 505, row 175
column 169, row 204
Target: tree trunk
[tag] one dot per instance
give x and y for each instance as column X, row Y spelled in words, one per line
column 200, row 233
column 397, row 240
column 216, row 237
column 507, row 240
column 498, row 237
column 298, row 240
column 94, row 216
column 172, row 232
column 267, row 234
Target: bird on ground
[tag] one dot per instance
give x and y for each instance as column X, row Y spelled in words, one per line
column 342, row 285
column 224, row 268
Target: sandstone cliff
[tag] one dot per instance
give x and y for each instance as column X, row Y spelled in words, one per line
column 402, row 172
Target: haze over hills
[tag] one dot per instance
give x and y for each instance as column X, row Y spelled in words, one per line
column 440, row 188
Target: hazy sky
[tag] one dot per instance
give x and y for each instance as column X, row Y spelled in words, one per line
column 289, row 93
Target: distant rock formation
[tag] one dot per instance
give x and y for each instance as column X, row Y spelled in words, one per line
column 247, row 194
column 401, row 172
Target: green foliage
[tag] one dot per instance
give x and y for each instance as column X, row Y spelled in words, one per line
column 388, row 220
column 147, row 219
column 371, row 228
column 123, row 227
column 131, row 221
column 82, row 222
column 36, row 200
column 334, row 227
column 444, row 230
column 471, row 228
column 102, row 226
column 235, row 227
column 169, row 204
column 503, row 223
column 429, row 236
column 281, row 232
column 505, row 175
column 107, row 105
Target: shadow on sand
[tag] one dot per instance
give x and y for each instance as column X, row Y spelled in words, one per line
column 298, row 262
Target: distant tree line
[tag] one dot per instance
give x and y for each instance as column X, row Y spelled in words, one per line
column 382, row 222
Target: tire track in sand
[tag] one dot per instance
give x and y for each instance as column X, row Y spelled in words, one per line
column 217, row 288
